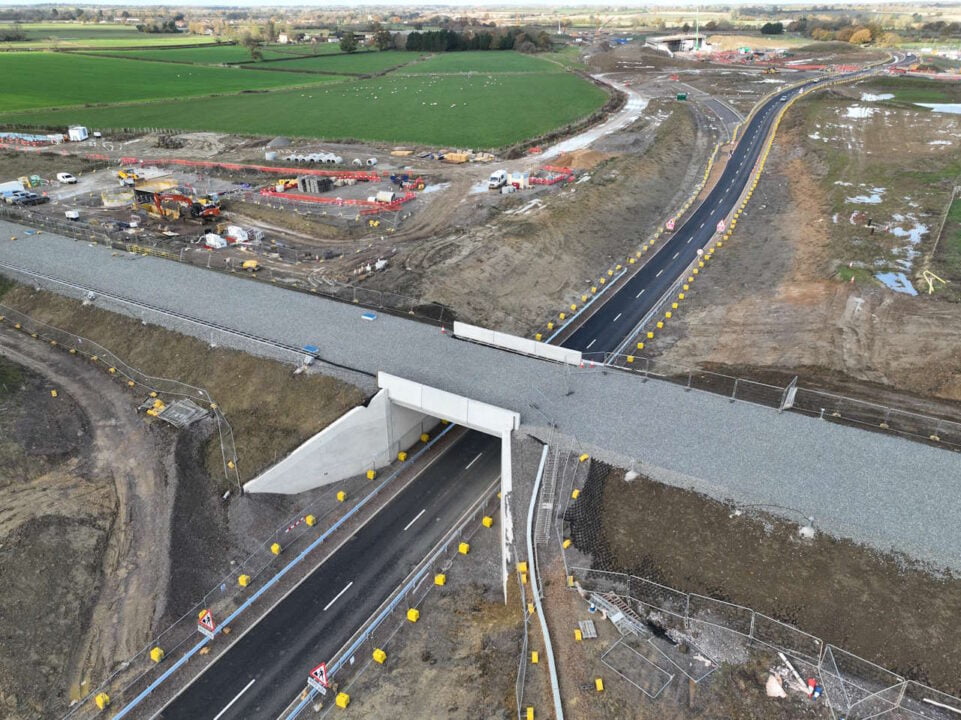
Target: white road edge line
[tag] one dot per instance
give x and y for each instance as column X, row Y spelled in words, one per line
column 473, row 461
column 230, row 704
column 416, row 518
column 337, row 596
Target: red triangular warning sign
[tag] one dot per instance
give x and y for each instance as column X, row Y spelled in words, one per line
column 206, row 620
column 319, row 674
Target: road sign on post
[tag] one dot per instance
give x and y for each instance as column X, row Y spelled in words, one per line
column 317, row 679
column 205, row 623
column 669, row 224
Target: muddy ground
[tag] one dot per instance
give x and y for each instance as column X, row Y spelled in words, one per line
column 853, row 190
column 112, row 520
column 878, row 606
column 513, row 271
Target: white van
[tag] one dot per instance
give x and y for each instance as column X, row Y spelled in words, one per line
column 497, row 180
column 66, row 179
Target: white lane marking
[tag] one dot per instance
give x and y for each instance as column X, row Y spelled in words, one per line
column 702, row 224
column 675, row 255
column 246, row 688
column 590, row 343
column 659, row 272
column 414, row 520
column 336, row 597
column 473, row 461
column 713, row 211
column 618, row 315
column 642, row 291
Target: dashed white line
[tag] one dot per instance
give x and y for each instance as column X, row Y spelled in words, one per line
column 414, row 520
column 689, row 240
column 590, row 343
column 659, row 272
column 616, row 318
column 702, row 224
column 675, row 255
column 473, row 461
column 246, row 688
column 337, row 596
column 642, row 291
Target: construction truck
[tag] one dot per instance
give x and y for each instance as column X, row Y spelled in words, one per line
column 250, row 266
column 128, row 177
column 172, row 205
column 770, row 71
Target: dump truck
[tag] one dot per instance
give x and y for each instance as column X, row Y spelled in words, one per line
column 250, row 266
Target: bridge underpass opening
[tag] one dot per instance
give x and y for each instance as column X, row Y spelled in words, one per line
column 370, row 437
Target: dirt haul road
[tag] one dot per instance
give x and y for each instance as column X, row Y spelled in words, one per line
column 136, row 460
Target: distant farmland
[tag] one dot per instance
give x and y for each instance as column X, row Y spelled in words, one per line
column 512, row 98
column 216, row 55
column 40, row 79
column 96, row 35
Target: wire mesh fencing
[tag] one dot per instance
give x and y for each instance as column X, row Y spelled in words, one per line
column 789, row 397
column 854, row 688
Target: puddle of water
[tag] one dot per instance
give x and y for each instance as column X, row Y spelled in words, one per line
column 898, row 282
column 872, row 199
column 872, row 97
column 859, row 113
column 438, row 187
column 953, row 108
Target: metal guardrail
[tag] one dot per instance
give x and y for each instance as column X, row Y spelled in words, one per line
column 415, row 585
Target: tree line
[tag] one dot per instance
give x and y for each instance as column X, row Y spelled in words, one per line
column 515, row 38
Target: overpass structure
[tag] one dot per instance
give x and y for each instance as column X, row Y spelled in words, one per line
column 856, row 484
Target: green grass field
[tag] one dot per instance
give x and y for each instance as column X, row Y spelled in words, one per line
column 478, row 111
column 483, row 61
column 916, row 90
column 217, row 55
column 36, row 80
column 355, row 63
column 95, row 35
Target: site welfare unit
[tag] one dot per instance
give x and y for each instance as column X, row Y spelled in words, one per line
column 77, row 133
column 520, row 180
column 13, row 185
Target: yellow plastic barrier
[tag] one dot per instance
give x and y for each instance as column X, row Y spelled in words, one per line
column 379, row 656
column 550, row 326
column 599, row 684
column 660, row 325
column 523, row 578
column 561, row 316
column 53, row 393
column 650, row 335
column 342, row 700
column 529, row 715
column 630, row 358
column 640, row 346
column 487, row 521
column 522, row 567
column 463, row 548
column 583, row 457
column 341, row 496
column 440, row 579
column 535, row 657
column 424, row 437
column 156, row 654
column 402, row 455
column 243, row 580
column 573, row 308
column 102, row 700
column 413, row 614
column 311, row 520
column 537, row 336
column 275, row 548
column 577, row 635
column 371, row 474
column 567, row 543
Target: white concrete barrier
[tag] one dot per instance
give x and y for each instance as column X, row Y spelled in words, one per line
column 517, row 344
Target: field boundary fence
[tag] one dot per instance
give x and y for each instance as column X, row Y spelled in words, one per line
column 135, row 678
column 854, row 688
column 352, row 660
column 791, row 397
column 397, row 303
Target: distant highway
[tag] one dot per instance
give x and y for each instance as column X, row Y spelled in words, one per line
column 615, row 321
column 267, row 667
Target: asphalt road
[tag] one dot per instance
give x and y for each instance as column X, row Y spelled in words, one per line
column 615, row 321
column 267, row 667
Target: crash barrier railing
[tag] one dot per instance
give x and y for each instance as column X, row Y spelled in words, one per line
column 344, row 670
column 119, row 240
column 790, row 397
column 855, row 688
column 227, row 600
column 521, row 683
column 77, row 345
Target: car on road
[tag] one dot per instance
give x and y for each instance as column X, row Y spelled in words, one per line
column 66, row 179
column 783, row 98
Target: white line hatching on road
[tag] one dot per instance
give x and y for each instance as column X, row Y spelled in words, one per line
column 471, row 463
column 337, row 596
column 416, row 518
column 246, row 688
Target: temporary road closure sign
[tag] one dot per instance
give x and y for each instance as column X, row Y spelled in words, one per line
column 205, row 623
column 669, row 224
column 721, row 226
column 317, row 679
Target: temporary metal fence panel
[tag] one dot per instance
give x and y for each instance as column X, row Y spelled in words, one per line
column 601, row 581
column 644, row 673
column 786, row 638
column 729, row 616
column 658, row 597
column 868, row 689
column 920, row 701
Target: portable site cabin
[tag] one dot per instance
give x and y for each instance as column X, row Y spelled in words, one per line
column 77, row 133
